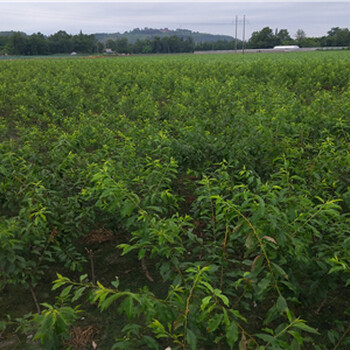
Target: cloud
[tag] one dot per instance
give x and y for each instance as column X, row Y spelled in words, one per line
column 315, row 18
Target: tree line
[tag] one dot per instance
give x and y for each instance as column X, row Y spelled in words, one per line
column 17, row 43
column 166, row 44
column 267, row 38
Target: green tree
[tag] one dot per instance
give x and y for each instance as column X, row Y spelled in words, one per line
column 303, row 41
column 300, row 35
column 337, row 37
column 18, row 44
column 60, row 42
column 122, row 45
column 84, row 43
column 263, row 39
column 110, row 44
column 283, row 37
column 38, row 44
column 99, row 47
column 157, row 45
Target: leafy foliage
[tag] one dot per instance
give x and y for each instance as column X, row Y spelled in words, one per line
column 229, row 176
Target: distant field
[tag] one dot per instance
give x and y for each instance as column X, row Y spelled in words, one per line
column 225, row 179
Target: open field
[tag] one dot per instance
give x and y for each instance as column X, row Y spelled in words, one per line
column 199, row 202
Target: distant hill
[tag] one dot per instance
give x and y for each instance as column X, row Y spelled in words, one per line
column 10, row 33
column 150, row 33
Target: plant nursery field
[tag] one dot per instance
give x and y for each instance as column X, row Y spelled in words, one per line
column 175, row 202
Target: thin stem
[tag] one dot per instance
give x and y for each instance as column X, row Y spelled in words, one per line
column 187, row 309
column 38, row 310
column 145, row 270
column 261, row 246
column 283, row 331
column 224, row 255
column 92, row 265
column 309, row 219
column 249, row 336
column 342, row 338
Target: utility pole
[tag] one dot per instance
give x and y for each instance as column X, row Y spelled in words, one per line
column 243, row 42
column 236, row 39
column 236, row 22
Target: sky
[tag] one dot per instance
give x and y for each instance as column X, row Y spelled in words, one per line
column 108, row 16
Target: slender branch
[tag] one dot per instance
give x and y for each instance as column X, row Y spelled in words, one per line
column 249, row 336
column 224, row 255
column 187, row 310
column 145, row 270
column 91, row 257
column 342, row 338
column 309, row 219
column 261, row 246
column 283, row 331
column 38, row 310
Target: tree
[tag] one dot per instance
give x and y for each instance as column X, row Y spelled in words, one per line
column 110, row 44
column 38, row 44
column 262, row 39
column 283, row 37
column 121, row 45
column 157, row 45
column 84, row 43
column 337, row 37
column 18, row 44
column 300, row 35
column 60, row 42
column 100, row 47
column 303, row 41
column 187, row 44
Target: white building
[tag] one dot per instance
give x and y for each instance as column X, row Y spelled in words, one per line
column 286, row 47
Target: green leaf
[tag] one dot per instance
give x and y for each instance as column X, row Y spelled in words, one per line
column 65, row 292
column 129, row 307
column 78, row 293
column 214, row 322
column 141, row 253
column 289, row 315
column 281, row 304
column 108, row 301
column 297, row 336
column 83, row 277
column 115, row 283
column 191, row 339
column 205, row 302
column 232, row 334
column 224, row 299
column 150, row 342
column 127, row 208
column 266, row 337
column 48, row 306
column 2, row 326
column 58, row 285
column 207, row 285
column 301, row 325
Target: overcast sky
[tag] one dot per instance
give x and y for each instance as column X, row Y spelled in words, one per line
column 48, row 17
